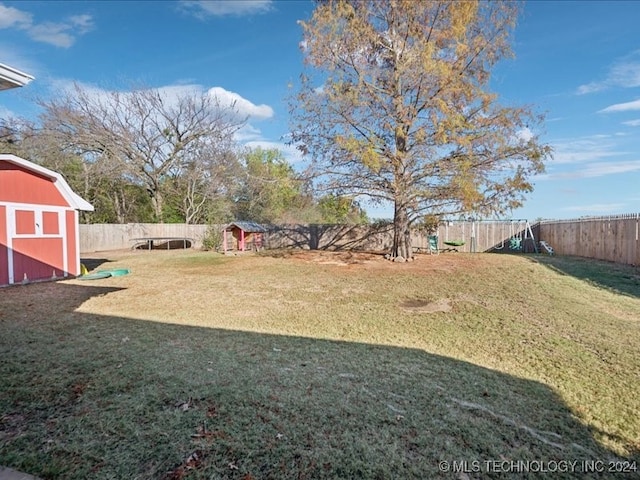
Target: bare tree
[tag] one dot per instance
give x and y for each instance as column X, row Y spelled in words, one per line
column 210, row 177
column 395, row 105
column 147, row 136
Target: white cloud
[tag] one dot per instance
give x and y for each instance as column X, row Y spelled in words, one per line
column 83, row 23
column 596, row 207
column 632, row 123
column 582, row 156
column 248, row 133
column 592, row 170
column 524, row 135
column 245, row 107
column 601, row 169
column 626, row 75
column 590, row 88
column 12, row 17
column 623, row 73
column 6, row 113
column 171, row 94
column 61, row 34
column 219, row 8
column 66, row 86
column 622, row 107
column 52, row 33
column 290, row 152
column 584, row 149
column 12, row 55
column 252, row 137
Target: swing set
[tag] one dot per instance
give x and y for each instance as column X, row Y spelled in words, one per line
column 453, row 244
column 513, row 236
column 519, row 232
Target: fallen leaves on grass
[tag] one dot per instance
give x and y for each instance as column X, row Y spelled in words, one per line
column 184, row 406
column 212, row 411
column 203, row 433
column 77, row 390
column 193, row 461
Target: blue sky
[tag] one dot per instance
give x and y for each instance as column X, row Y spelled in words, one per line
column 578, row 62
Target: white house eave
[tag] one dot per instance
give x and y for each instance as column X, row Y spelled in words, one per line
column 12, row 78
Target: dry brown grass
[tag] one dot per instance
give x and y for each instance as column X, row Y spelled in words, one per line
column 319, row 365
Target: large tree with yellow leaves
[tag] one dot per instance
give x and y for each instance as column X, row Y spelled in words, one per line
column 395, row 105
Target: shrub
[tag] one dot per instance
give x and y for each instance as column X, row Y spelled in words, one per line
column 212, row 239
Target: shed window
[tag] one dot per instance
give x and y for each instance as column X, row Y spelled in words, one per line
column 25, row 222
column 50, row 223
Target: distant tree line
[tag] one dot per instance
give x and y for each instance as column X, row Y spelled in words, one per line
column 147, row 156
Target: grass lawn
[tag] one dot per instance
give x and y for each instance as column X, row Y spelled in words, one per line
column 314, row 365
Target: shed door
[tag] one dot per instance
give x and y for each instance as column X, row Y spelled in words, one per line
column 36, row 243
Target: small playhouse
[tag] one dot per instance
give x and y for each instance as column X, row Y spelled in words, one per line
column 39, row 236
column 243, row 237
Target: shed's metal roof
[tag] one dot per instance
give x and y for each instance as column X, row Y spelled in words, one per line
column 248, row 226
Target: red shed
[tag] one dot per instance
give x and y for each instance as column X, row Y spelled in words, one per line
column 243, row 236
column 38, row 223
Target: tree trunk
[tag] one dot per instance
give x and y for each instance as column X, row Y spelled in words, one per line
column 157, row 204
column 118, row 205
column 401, row 233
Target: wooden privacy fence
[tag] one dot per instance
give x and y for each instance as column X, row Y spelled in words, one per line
column 478, row 236
column 330, row 237
column 614, row 238
column 481, row 235
column 109, row 236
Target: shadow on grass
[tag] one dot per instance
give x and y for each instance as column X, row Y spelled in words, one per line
column 93, row 263
column 90, row 396
column 331, row 237
column 622, row 279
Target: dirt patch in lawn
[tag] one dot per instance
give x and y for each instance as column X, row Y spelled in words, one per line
column 426, row 306
column 375, row 260
column 324, row 257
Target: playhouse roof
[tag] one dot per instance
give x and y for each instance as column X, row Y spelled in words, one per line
column 12, row 78
column 73, row 199
column 249, row 227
